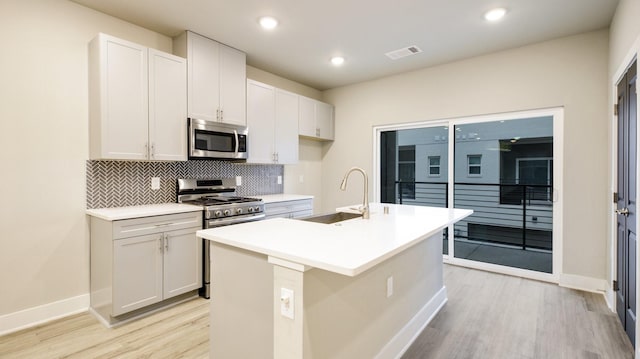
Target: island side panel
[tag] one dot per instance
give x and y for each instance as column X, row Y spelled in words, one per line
column 241, row 315
column 351, row 317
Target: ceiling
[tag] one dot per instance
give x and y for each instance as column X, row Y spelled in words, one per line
column 312, row 31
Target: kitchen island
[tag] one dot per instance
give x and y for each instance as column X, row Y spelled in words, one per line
column 359, row 288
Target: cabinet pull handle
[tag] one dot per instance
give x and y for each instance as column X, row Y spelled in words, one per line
column 153, row 150
column 146, row 150
column 221, row 113
column 160, row 240
column 317, row 132
column 166, row 242
column 164, row 224
column 218, row 114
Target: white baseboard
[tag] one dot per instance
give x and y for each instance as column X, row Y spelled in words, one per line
column 30, row 317
column 609, row 297
column 400, row 342
column 588, row 284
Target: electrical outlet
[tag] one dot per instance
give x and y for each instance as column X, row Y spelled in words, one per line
column 286, row 303
column 389, row 287
column 279, row 179
column 238, row 180
column 155, row 183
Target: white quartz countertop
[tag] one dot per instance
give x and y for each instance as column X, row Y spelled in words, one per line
column 119, row 213
column 282, row 197
column 348, row 247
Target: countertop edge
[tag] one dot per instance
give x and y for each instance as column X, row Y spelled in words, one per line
column 283, row 197
column 132, row 212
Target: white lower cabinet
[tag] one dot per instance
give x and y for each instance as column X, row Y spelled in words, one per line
column 289, row 209
column 137, row 272
column 139, row 262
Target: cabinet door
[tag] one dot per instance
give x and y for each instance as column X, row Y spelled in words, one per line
column 286, row 127
column 261, row 122
column 182, row 262
column 203, row 77
column 118, row 99
column 137, row 272
column 167, row 106
column 324, row 121
column 233, row 92
column 307, row 117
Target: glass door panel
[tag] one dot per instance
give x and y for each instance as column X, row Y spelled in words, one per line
column 414, row 168
column 503, row 171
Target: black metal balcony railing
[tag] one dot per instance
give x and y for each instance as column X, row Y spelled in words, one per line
column 508, row 214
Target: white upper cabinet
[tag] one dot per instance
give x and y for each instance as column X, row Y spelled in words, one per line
column 137, row 102
column 233, row 91
column 286, row 127
column 261, row 117
column 272, row 118
column 216, row 79
column 324, row 121
column 316, row 119
column 167, row 106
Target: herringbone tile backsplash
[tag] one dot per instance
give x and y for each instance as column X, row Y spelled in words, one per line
column 123, row 183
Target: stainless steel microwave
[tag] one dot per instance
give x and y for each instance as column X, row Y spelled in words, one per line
column 216, row 140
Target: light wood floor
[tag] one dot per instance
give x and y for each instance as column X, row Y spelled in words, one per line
column 488, row 316
column 497, row 316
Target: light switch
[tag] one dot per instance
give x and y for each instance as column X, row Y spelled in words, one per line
column 279, row 179
column 238, row 180
column 286, row 303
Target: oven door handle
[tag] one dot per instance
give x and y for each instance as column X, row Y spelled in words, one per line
column 235, row 133
column 212, row 223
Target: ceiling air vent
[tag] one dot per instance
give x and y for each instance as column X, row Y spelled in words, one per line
column 407, row 51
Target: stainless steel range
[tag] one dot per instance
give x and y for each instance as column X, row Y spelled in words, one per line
column 221, row 207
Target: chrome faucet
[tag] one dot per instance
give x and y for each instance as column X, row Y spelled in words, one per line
column 365, row 200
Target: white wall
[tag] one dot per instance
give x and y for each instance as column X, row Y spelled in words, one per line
column 569, row 72
column 43, row 146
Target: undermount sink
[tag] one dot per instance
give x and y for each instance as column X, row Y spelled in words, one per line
column 331, row 217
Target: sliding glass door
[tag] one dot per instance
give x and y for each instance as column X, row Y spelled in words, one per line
column 500, row 166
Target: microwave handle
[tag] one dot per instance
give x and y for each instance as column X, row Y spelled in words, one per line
column 235, row 133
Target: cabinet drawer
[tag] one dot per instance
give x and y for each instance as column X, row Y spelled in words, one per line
column 275, row 208
column 156, row 224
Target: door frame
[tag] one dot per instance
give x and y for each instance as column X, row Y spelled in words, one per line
column 558, row 152
column 632, row 54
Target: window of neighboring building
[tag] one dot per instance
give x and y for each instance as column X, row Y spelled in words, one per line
column 434, row 166
column 407, row 171
column 474, row 165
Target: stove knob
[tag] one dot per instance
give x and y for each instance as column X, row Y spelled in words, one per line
column 250, row 209
column 239, row 211
column 218, row 213
column 227, row 212
column 257, row 209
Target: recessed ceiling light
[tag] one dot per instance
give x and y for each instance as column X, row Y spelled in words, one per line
column 337, row 60
column 495, row 14
column 268, row 22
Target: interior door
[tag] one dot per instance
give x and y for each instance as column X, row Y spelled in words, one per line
column 626, row 202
